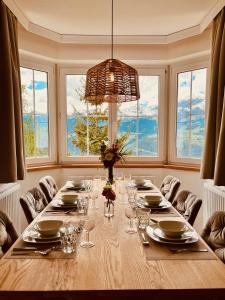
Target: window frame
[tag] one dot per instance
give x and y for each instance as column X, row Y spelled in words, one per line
column 52, row 126
column 172, row 134
column 62, row 114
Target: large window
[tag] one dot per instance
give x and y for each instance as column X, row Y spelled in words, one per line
column 35, row 112
column 190, row 121
column 136, row 123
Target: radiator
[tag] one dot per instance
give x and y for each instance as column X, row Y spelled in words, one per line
column 9, row 203
column 214, row 199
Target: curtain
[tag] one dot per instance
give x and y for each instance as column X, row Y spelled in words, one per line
column 12, row 162
column 213, row 164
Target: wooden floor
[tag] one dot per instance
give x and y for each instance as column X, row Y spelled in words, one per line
column 115, row 268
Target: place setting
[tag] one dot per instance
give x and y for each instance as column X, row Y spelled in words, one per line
column 174, row 239
column 48, row 238
column 142, row 184
column 157, row 204
column 63, row 204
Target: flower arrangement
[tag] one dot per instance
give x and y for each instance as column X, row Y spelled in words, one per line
column 110, row 195
column 110, row 155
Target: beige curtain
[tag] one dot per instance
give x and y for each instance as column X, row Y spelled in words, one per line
column 11, row 131
column 213, row 165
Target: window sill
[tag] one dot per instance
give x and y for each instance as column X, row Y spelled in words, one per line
column 193, row 168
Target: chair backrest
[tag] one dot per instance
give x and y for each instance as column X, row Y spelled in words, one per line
column 188, row 205
column 8, row 234
column 169, row 187
column 49, row 187
column 33, row 202
column 214, row 230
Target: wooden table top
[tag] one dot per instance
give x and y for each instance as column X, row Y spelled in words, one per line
column 115, row 266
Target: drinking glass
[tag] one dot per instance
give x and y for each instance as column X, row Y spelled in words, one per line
column 94, row 197
column 68, row 236
column 121, row 188
column 143, row 215
column 131, row 192
column 131, row 215
column 82, row 205
column 88, row 226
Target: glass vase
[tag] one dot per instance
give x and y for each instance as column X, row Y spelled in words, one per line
column 108, row 209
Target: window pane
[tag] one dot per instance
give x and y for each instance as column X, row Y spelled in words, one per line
column 138, row 120
column 198, row 91
column 191, row 113
column 35, row 112
column 149, row 95
column 148, row 137
column 87, row 124
column 127, row 132
column 27, row 90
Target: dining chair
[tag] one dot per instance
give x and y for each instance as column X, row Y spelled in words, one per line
column 8, row 234
column 33, row 202
column 169, row 187
column 214, row 233
column 49, row 187
column 188, row 205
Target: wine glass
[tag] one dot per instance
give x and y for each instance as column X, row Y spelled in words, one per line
column 88, row 226
column 94, row 197
column 121, row 188
column 130, row 213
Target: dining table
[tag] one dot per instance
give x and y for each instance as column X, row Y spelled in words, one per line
column 119, row 266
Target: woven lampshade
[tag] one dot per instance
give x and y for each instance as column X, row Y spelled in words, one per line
column 111, row 81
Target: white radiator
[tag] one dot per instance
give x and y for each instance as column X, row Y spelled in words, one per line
column 214, row 199
column 9, row 203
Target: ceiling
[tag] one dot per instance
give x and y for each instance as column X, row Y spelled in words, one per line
column 131, row 17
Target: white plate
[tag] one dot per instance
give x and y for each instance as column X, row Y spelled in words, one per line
column 185, row 236
column 60, row 203
column 32, row 236
column 162, row 205
column 150, row 232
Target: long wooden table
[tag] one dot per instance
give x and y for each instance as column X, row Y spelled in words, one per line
column 116, row 268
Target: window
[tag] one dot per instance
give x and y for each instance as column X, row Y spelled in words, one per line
column 187, row 112
column 38, row 112
column 87, row 124
column 138, row 120
column 190, row 124
column 136, row 123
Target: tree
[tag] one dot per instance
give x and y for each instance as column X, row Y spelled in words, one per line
column 91, row 130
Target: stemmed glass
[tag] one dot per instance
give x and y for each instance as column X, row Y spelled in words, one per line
column 94, row 196
column 88, row 226
column 132, row 193
column 131, row 215
column 121, row 188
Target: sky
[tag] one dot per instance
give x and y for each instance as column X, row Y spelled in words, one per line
column 146, row 106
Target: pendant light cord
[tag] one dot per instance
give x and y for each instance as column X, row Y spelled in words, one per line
column 112, row 33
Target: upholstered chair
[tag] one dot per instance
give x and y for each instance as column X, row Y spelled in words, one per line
column 8, row 233
column 188, row 205
column 49, row 187
column 33, row 202
column 214, row 233
column 169, row 187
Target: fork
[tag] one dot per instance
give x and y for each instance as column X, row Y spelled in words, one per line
column 42, row 252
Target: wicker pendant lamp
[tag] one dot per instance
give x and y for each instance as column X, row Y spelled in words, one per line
column 111, row 81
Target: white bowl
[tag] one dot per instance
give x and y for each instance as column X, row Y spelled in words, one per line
column 139, row 181
column 69, row 198
column 153, row 199
column 48, row 227
column 173, row 229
